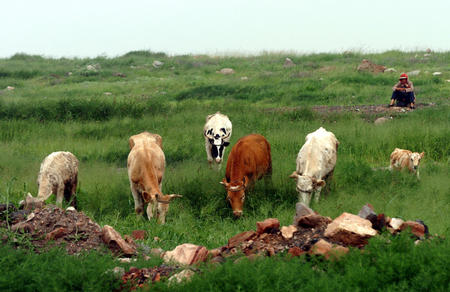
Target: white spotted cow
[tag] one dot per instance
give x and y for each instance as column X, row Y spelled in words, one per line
column 217, row 133
column 315, row 163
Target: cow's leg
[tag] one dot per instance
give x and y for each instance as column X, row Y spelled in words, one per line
column 305, row 198
column 208, row 153
column 60, row 194
column 138, row 203
column 317, row 195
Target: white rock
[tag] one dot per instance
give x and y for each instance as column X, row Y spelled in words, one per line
column 288, row 63
column 157, row 64
column 382, row 120
column 184, row 275
column 396, row 223
column 244, row 78
column 414, row 73
column 10, row 88
column 288, row 231
column 226, row 71
column 437, row 73
column 91, row 68
column 388, row 70
column 107, row 93
column 71, row 209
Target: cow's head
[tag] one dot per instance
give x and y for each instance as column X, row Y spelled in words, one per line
column 306, row 185
column 236, row 195
column 31, row 203
column 415, row 158
column 163, row 206
column 218, row 138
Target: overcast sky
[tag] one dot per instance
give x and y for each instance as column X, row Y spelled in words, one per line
column 57, row 28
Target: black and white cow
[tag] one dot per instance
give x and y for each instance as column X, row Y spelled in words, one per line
column 217, row 133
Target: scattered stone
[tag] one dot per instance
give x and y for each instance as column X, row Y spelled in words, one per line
column 91, row 68
column 288, row 63
column 396, row 223
column 118, row 272
column 288, row 231
column 125, row 260
column 226, row 71
column 437, row 73
column 57, row 233
column 312, row 221
column 240, row 238
column 269, row 225
column 390, row 70
column 382, row 120
column 157, row 64
column 322, row 247
column 350, row 229
column 215, row 252
column 416, row 228
column 113, row 239
column 300, row 211
column 217, row 259
column 187, row 254
column 22, row 227
column 70, row 209
column 156, row 239
column 366, row 211
column 118, row 74
column 367, row 66
column 69, row 74
column 414, row 73
column 157, row 252
column 138, row 234
column 184, row 275
column 296, row 251
column 10, row 88
column 244, row 78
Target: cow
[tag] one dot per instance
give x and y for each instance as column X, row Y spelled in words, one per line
column 401, row 158
column 58, row 175
column 315, row 164
column 146, row 164
column 249, row 161
column 217, row 133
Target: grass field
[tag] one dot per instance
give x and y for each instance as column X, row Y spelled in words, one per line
column 51, row 109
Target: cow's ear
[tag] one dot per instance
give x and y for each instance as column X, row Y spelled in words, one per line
column 320, row 183
column 422, row 154
column 294, row 175
column 226, row 144
column 245, row 181
column 131, row 143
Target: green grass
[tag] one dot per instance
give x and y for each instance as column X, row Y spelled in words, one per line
column 50, row 110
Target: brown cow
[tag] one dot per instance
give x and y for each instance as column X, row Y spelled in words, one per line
column 146, row 165
column 401, row 158
column 248, row 161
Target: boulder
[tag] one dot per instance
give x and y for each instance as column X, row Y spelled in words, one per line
column 157, row 64
column 416, row 228
column 113, row 239
column 323, row 247
column 437, row 73
column 288, row 63
column 350, row 229
column 184, row 275
column 138, row 234
column 288, row 231
column 414, row 73
column 296, row 251
column 300, row 211
column 382, row 120
column 396, row 223
column 390, row 70
column 312, row 221
column 367, row 66
column 269, row 225
column 187, row 254
column 226, row 71
column 240, row 238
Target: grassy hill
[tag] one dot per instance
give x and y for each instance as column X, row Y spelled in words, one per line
column 91, row 106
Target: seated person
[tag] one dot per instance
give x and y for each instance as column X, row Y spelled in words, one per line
column 403, row 94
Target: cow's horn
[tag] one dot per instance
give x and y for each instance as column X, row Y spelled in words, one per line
column 294, row 175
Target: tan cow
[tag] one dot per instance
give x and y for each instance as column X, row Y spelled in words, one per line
column 146, row 164
column 249, row 161
column 58, row 175
column 315, row 163
column 401, row 158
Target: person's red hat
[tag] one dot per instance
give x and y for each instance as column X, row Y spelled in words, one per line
column 403, row 76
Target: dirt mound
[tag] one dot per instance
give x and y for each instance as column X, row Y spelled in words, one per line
column 52, row 226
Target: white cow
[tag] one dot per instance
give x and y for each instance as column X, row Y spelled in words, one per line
column 217, row 133
column 401, row 158
column 315, row 163
column 58, row 175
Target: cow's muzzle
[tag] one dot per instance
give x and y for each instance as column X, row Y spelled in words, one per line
column 237, row 214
